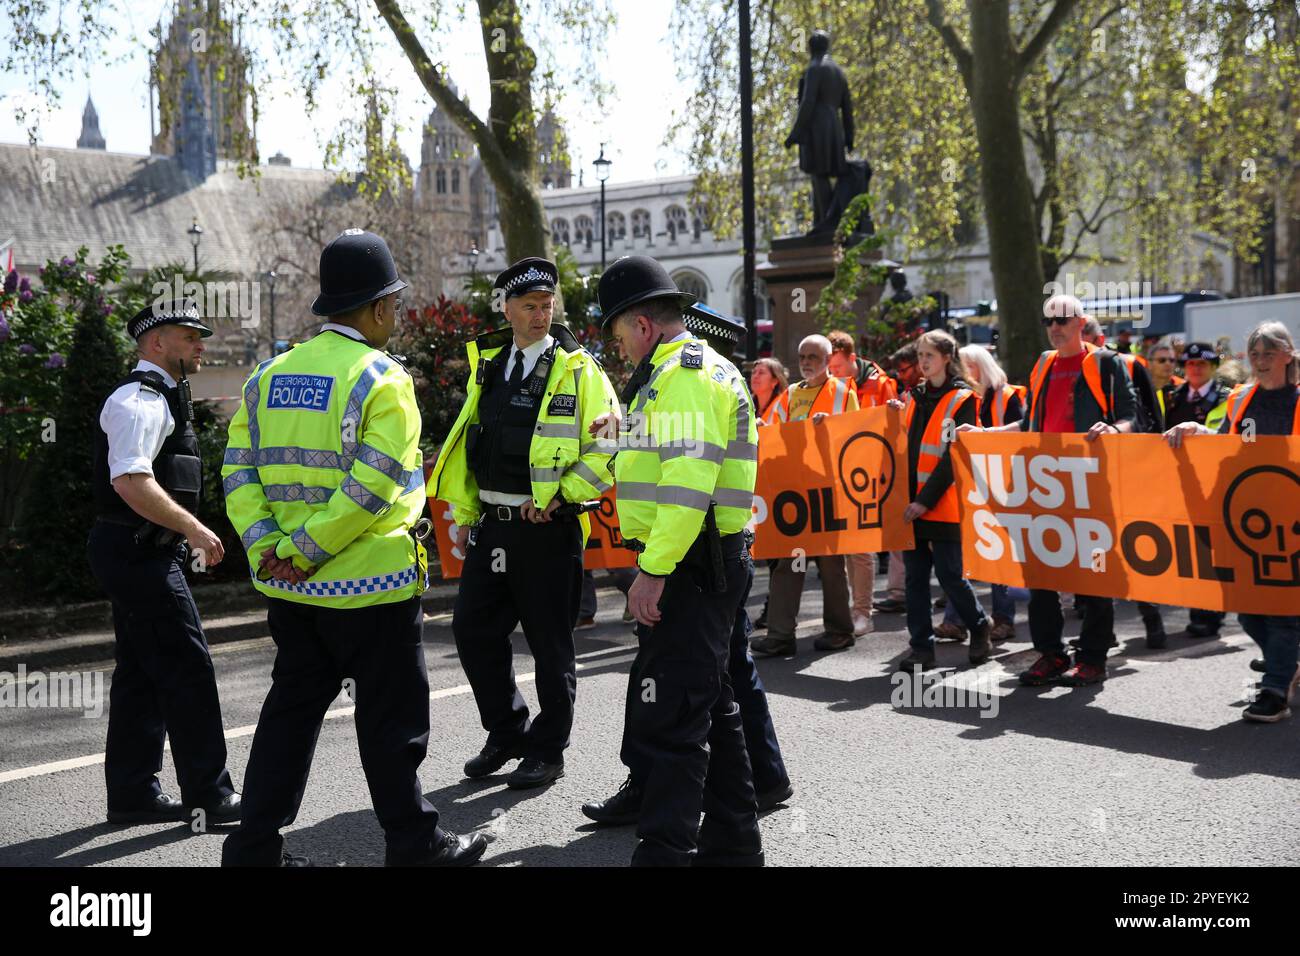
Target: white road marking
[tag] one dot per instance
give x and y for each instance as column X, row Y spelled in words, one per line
column 90, row 760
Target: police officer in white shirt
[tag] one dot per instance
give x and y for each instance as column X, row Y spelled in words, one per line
column 147, row 482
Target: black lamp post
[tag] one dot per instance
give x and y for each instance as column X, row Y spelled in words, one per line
column 270, row 279
column 196, row 234
column 602, row 173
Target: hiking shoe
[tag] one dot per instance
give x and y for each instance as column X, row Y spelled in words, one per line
column 833, row 642
column 1045, row 670
column 1198, row 629
column 943, row 631
column 1082, row 674
column 772, row 647
column 889, row 606
column 1002, row 631
column 916, row 661
column 1268, row 708
column 981, row 644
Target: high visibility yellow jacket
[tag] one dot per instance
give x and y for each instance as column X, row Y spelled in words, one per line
column 689, row 438
column 323, row 464
column 562, row 456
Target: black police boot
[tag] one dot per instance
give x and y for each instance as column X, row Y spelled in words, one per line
column 445, row 849
column 720, row 846
column 1257, row 664
column 288, row 859
column 162, row 809
column 489, row 760
column 916, row 661
column 1156, row 637
column 774, row 796
column 1202, row 629
column 532, row 772
column 622, row 808
column 228, row 809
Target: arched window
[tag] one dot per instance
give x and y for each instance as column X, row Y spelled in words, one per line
column 693, row 283
column 640, row 223
column 560, row 231
column 676, row 221
column 584, row 230
column 441, row 178
column 455, row 181
column 763, row 307
column 699, row 222
column 616, row 226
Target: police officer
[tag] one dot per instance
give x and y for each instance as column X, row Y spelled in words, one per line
column 771, row 780
column 1202, row 399
column 516, row 455
column 324, row 482
column 685, row 470
column 147, row 481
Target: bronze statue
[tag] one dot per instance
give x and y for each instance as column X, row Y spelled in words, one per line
column 823, row 130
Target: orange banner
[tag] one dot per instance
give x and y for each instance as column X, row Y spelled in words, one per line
column 839, row 487
column 835, row 488
column 604, row 548
column 1212, row 525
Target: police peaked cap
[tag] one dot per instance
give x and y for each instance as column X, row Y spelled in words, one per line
column 356, row 268
column 720, row 331
column 167, row 312
column 632, row 280
column 533, row 274
column 1199, row 350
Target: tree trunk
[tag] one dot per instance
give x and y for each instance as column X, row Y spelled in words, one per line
column 1004, row 182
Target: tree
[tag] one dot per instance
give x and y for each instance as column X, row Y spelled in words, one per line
column 1139, row 137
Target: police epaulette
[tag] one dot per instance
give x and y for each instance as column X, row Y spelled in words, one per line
column 497, row 338
column 693, row 354
column 400, row 361
column 154, row 382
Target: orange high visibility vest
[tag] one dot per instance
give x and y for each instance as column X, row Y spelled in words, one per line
column 876, row 390
column 1239, row 399
column 1000, row 400
column 933, row 447
column 832, row 399
column 1091, row 376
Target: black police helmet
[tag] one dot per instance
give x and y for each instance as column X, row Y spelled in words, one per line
column 355, row 268
column 632, row 280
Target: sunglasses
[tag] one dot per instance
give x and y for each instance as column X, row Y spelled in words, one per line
column 1057, row 319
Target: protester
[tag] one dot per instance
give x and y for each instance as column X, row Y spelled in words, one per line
column 1270, row 402
column 1160, row 366
column 767, row 381
column 819, row 395
column 902, row 369
column 997, row 403
column 1074, row 387
column 874, row 387
column 932, row 412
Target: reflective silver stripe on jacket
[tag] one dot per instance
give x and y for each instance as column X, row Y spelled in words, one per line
column 664, row 494
column 559, row 430
column 352, row 411
column 734, row 498
column 310, row 549
column 257, row 531
column 691, row 448
column 252, row 389
column 384, row 464
column 837, row 400
column 363, row 496
column 583, row 471
column 304, row 457
column 741, row 450
column 309, row 494
column 237, row 479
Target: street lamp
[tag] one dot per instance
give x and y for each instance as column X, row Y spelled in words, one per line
column 602, row 173
column 196, row 233
column 270, row 279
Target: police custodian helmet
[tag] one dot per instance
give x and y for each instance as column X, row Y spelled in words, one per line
column 632, row 280
column 356, row 268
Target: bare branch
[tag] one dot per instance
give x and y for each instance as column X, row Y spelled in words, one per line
column 934, row 13
column 1060, row 12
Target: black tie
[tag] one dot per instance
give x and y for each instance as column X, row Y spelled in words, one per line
column 517, row 373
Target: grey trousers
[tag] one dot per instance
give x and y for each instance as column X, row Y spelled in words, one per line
column 785, row 592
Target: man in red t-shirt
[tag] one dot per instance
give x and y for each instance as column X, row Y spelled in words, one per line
column 1066, row 403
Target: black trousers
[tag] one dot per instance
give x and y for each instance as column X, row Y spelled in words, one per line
column 1047, row 624
column 765, row 760
column 682, row 721
column 317, row 649
column 163, row 684
column 531, row 574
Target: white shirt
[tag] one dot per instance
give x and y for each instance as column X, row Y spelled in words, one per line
column 531, row 354
column 1196, row 394
column 347, row 330
column 137, row 421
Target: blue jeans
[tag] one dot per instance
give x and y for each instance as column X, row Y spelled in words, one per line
column 1004, row 598
column 944, row 557
column 1278, row 636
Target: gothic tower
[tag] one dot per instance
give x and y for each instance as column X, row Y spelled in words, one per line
column 90, row 137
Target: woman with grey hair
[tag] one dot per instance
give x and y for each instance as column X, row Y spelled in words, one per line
column 1269, row 404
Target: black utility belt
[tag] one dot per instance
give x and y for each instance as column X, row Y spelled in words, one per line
column 513, row 513
column 731, row 543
